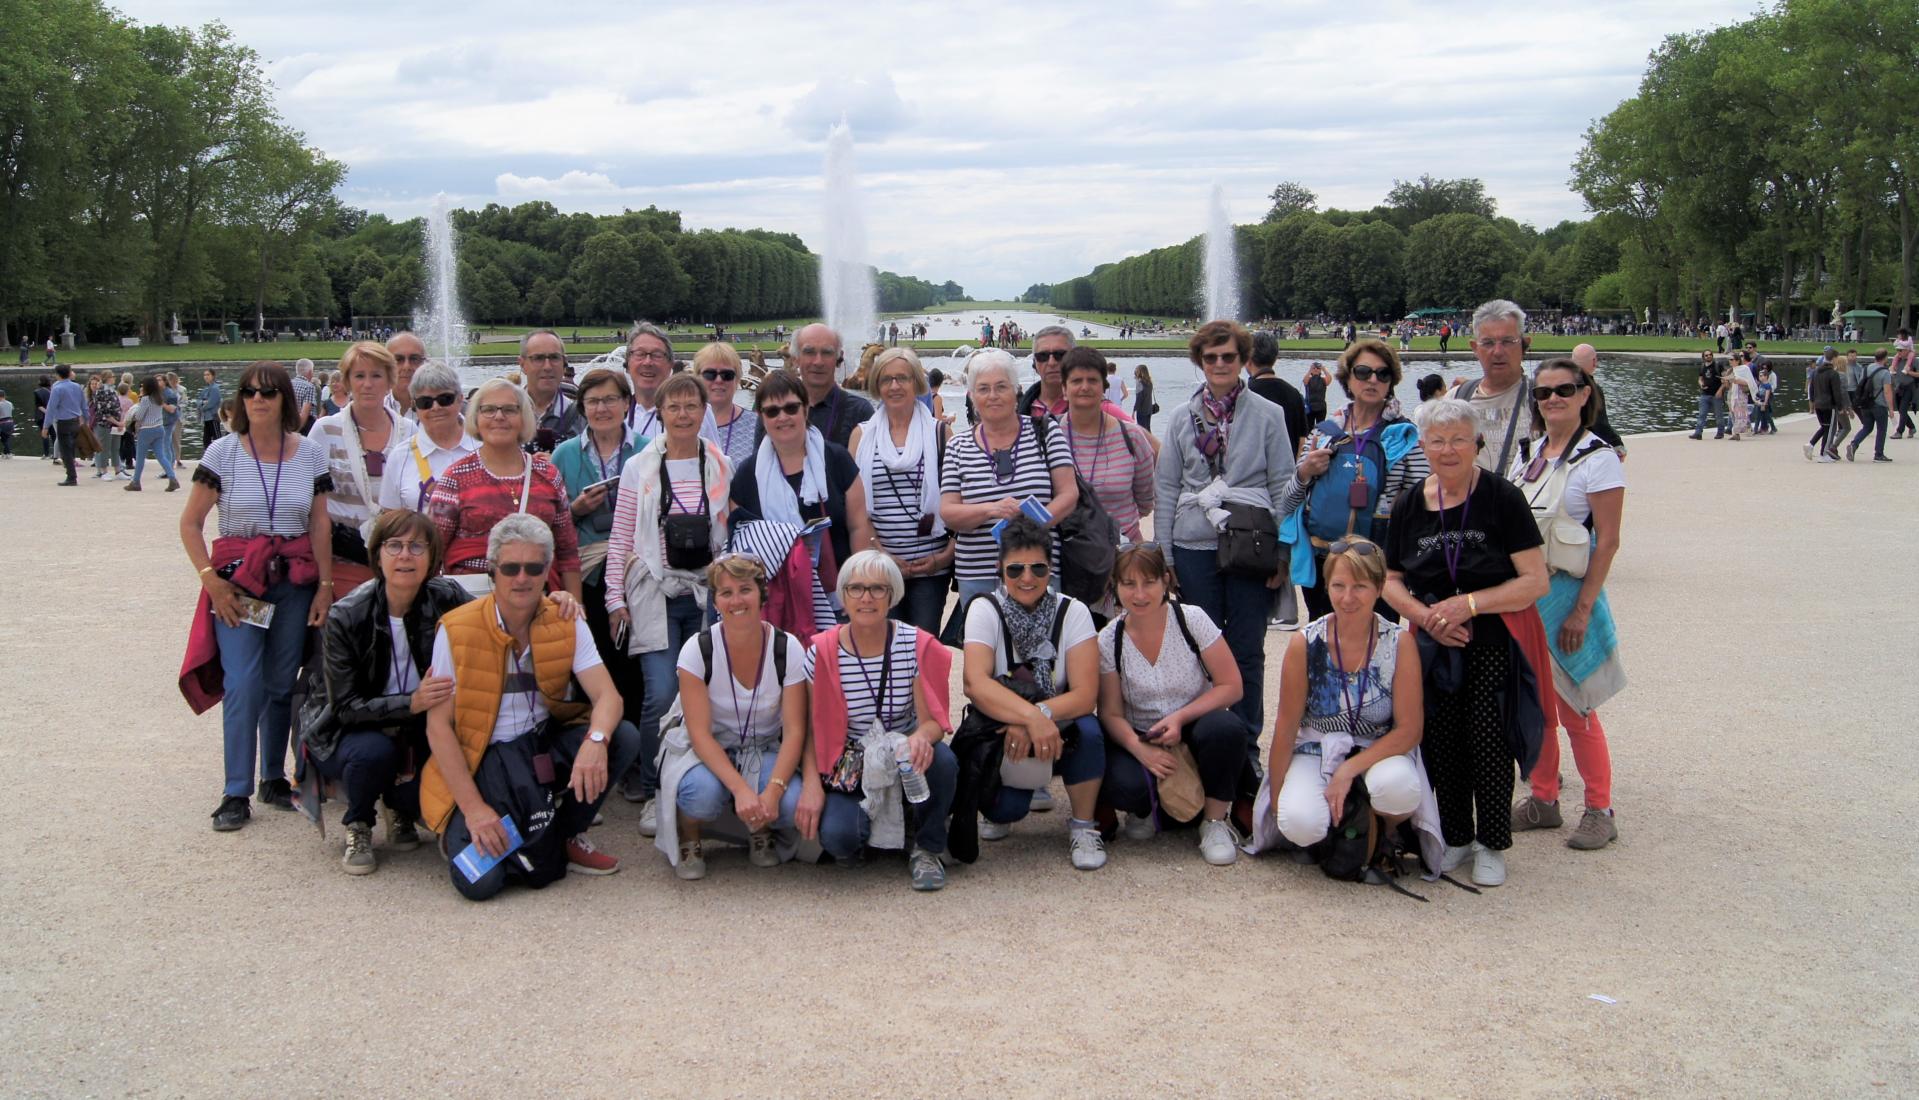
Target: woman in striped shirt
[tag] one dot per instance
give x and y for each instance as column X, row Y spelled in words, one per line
column 899, row 452
column 356, row 439
column 990, row 470
column 1115, row 457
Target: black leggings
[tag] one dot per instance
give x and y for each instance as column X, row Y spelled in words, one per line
column 1465, row 750
column 1218, row 741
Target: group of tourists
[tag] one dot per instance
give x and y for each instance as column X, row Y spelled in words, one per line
column 114, row 423
column 1844, row 388
column 531, row 595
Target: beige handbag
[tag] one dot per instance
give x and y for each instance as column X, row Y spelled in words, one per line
column 1181, row 796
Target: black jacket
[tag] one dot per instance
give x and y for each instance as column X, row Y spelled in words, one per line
column 357, row 653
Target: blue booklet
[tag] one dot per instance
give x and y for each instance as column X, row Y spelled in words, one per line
column 474, row 863
column 1034, row 510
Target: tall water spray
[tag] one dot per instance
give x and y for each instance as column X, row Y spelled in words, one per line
column 846, row 281
column 437, row 320
column 1222, row 262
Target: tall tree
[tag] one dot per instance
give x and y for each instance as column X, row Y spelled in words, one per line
column 1290, row 197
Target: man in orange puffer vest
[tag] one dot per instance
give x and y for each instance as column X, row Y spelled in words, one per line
column 509, row 743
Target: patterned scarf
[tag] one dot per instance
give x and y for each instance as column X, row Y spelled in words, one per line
column 1032, row 632
column 1211, row 439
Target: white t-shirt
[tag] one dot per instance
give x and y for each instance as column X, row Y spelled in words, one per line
column 1595, row 473
column 736, row 707
column 1153, row 690
column 983, row 627
column 400, row 488
column 1494, row 416
column 401, row 677
column 522, row 707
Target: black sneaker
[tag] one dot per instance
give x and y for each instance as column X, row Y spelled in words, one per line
column 232, row 814
column 276, row 793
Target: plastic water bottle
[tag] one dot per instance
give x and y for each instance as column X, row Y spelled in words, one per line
column 911, row 779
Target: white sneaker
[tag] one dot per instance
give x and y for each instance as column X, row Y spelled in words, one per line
column 650, row 818
column 1219, row 843
column 1489, row 867
column 1089, row 851
column 1808, row 449
column 1042, row 801
column 1455, row 856
column 993, row 830
column 692, row 864
column 1140, row 827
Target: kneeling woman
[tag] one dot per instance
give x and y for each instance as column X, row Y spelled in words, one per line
column 739, row 747
column 880, row 694
column 1351, row 705
column 1028, row 632
column 366, row 726
column 1167, row 679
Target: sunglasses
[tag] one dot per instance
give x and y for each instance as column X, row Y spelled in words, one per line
column 1018, row 569
column 1048, row 356
column 515, row 568
column 719, row 375
column 774, row 412
column 1362, row 547
column 1219, row 358
column 1564, row 389
column 248, row 393
column 1367, row 374
column 427, row 400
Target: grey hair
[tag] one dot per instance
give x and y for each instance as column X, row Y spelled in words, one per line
column 434, row 377
column 1055, row 330
column 867, row 566
column 987, row 360
column 1441, row 412
column 648, row 328
column 304, row 368
column 793, row 341
column 520, row 528
column 528, row 338
column 529, row 419
column 1499, row 309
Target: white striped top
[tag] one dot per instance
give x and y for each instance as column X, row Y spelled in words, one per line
column 247, row 487
column 969, row 472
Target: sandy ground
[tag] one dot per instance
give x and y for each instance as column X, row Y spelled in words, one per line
column 1754, row 923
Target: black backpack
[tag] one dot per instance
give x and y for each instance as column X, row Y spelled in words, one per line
column 1178, row 613
column 1867, row 394
column 779, row 657
column 1088, row 538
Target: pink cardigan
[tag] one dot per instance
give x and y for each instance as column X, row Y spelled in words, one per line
column 829, row 701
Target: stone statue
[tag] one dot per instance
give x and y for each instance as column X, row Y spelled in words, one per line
column 1835, row 311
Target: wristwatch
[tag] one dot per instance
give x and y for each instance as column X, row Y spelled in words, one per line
column 596, row 737
column 1044, row 709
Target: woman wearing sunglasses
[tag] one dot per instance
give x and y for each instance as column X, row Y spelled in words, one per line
column 1576, row 486
column 1345, row 486
column 1464, row 566
column 265, row 580
column 357, row 439
column 718, row 367
column 364, row 726
column 1351, row 710
column 899, row 452
column 414, row 463
column 1027, row 632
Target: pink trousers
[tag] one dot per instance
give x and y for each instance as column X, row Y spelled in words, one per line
column 1588, row 740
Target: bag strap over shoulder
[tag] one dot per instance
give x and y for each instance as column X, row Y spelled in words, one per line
column 781, row 639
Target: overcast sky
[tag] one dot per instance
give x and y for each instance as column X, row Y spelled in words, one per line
column 1000, row 144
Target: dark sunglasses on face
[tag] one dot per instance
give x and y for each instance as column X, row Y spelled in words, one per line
column 1367, row 374
column 1048, row 356
column 248, row 393
column 1018, row 569
column 719, row 375
column 515, row 568
column 1564, row 389
column 427, row 400
column 774, row 412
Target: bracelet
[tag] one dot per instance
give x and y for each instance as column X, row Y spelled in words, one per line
column 326, row 584
column 777, row 779
column 1472, row 605
column 206, row 570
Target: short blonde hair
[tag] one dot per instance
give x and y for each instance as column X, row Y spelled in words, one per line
column 739, row 567
column 374, row 353
column 916, row 373
column 529, row 420
column 868, row 566
column 716, row 353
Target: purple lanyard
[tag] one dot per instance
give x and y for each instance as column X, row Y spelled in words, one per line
column 979, row 440
column 400, row 667
column 1353, row 707
column 273, row 495
column 730, row 425
column 733, row 687
column 886, row 673
column 1453, row 550
column 1099, row 449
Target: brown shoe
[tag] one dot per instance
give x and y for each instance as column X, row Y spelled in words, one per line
column 1532, row 813
column 1596, row 830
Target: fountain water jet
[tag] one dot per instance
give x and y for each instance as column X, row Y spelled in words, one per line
column 1222, row 262
column 437, row 321
column 846, row 280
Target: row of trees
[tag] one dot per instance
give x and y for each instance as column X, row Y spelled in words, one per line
column 144, row 172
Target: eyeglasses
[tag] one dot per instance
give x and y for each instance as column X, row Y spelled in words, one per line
column 812, row 352
column 426, row 401
column 1048, row 356
column 1564, row 389
column 1219, row 358
column 647, row 356
column 248, row 393
column 546, row 357
column 1363, row 547
column 1499, row 342
column 868, row 591
column 409, row 358
column 719, row 375
column 1017, row 569
column 605, row 402
column 515, row 568
column 1367, row 374
column 509, row 411
column 774, row 412
column 411, row 549
column 895, row 380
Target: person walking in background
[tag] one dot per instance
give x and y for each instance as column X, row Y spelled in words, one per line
column 170, row 438
column 1875, row 384
column 147, row 419
column 66, row 411
column 1143, row 406
column 209, row 408
column 105, row 405
column 1905, row 400
column 1767, row 383
column 1826, row 392
column 6, row 427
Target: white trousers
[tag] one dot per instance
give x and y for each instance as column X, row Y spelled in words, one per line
column 1395, row 785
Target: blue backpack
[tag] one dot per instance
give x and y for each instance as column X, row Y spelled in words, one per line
column 1342, row 499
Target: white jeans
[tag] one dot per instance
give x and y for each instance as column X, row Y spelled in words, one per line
column 1394, row 785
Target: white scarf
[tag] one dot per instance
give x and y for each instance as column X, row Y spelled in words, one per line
column 777, row 500
column 920, row 451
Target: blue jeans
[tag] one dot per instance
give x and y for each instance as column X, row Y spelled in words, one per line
column 844, row 826
column 168, row 455
column 924, row 602
column 1085, row 760
column 702, row 797
column 1712, row 410
column 152, row 441
column 1873, row 418
column 660, row 671
column 1239, row 607
column 259, row 667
